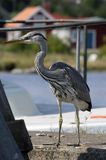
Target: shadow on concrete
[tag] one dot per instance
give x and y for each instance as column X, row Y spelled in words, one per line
column 93, row 154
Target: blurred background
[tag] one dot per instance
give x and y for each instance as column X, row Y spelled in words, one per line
column 17, row 60
column 65, row 38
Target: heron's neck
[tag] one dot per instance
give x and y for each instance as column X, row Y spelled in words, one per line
column 39, row 62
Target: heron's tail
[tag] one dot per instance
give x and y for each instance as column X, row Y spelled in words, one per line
column 89, row 106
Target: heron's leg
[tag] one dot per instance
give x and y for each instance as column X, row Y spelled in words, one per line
column 60, row 120
column 78, row 124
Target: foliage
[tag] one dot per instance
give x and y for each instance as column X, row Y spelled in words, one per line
column 94, row 8
column 84, row 8
column 21, row 48
column 10, row 60
column 56, row 45
column 37, row 2
column 101, row 11
column 13, row 5
column 99, row 65
column 92, row 3
column 102, row 53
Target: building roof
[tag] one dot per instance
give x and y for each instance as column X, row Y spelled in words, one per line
column 26, row 14
column 29, row 12
column 23, row 15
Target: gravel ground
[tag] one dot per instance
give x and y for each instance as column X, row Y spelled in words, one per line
column 93, row 146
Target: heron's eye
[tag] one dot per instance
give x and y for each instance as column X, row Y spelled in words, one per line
column 26, row 38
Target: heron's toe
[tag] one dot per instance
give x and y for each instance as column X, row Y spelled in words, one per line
column 58, row 144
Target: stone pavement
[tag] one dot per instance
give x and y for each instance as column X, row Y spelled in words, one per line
column 93, row 146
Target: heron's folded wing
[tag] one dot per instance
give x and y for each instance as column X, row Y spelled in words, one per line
column 78, row 83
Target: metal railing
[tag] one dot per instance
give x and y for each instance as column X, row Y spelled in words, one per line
column 71, row 24
column 61, row 23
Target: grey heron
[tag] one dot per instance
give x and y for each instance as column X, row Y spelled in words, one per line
column 67, row 83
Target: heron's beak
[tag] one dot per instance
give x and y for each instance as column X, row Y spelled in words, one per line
column 25, row 38
column 21, row 39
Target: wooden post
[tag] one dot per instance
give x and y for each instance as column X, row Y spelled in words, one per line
column 20, row 134
column 17, row 127
column 4, row 105
column 8, row 147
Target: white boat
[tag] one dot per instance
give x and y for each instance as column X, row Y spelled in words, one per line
column 20, row 100
column 23, row 107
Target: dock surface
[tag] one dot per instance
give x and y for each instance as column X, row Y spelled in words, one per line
column 93, row 146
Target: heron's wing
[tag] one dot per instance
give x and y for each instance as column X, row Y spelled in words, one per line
column 78, row 84
column 69, row 78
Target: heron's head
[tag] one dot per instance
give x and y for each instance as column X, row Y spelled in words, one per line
column 32, row 37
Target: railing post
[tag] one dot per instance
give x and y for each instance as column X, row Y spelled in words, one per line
column 78, row 49
column 85, row 54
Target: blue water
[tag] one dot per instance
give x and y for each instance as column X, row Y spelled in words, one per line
column 42, row 94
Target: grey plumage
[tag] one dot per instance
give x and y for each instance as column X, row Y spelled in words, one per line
column 67, row 83
column 73, row 82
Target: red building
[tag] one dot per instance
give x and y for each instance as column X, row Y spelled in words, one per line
column 100, row 33
column 95, row 34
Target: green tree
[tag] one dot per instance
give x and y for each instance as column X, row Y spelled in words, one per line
column 36, row 2
column 92, row 3
column 101, row 12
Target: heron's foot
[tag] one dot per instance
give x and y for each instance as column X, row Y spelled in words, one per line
column 74, row 145
column 79, row 140
column 57, row 144
column 78, row 144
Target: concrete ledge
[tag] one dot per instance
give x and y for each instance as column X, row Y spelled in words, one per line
column 67, row 153
column 93, row 147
